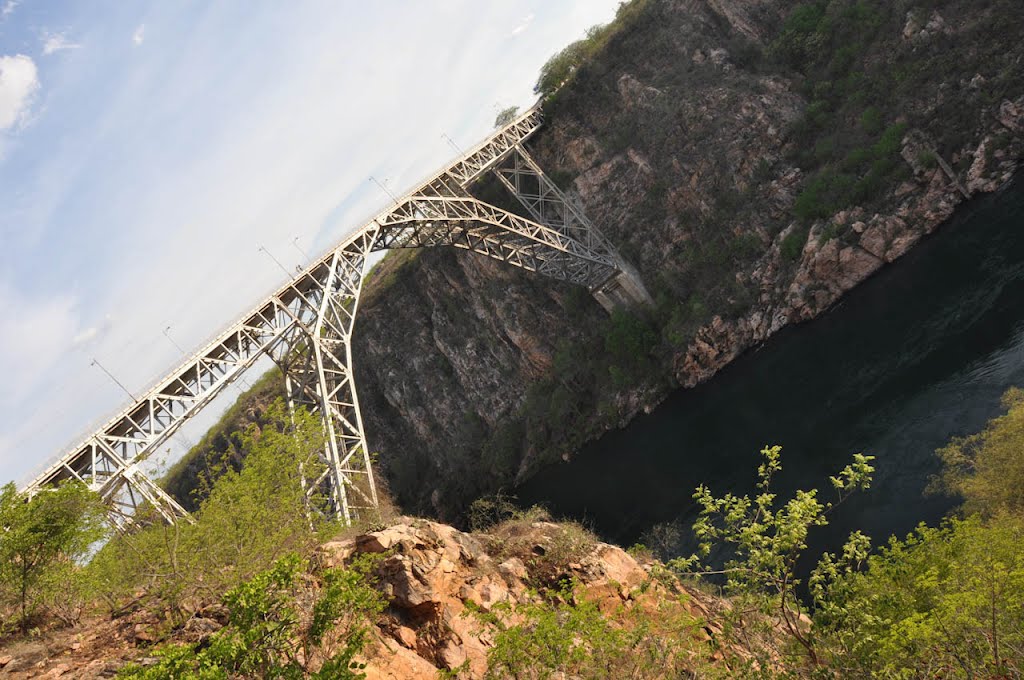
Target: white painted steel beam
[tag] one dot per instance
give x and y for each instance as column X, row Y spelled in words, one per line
column 306, row 327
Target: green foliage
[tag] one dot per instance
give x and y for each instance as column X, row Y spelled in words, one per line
column 274, row 633
column 566, row 635
column 871, row 120
column 41, row 541
column 792, row 245
column 945, row 602
column 221, row 448
column 564, row 64
column 629, row 340
column 841, row 141
column 506, row 116
column 987, row 469
column 559, row 67
column 865, row 173
column 252, row 517
column 801, row 39
column 768, row 538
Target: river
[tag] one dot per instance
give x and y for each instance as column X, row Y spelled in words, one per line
column 919, row 353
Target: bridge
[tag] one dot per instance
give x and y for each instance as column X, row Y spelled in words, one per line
column 306, row 326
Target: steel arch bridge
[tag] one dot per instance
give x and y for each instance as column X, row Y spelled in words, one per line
column 306, row 326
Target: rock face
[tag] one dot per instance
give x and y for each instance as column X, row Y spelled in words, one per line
column 448, row 595
column 680, row 144
column 436, row 576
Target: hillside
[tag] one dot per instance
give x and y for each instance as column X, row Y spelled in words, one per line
column 754, row 161
column 449, row 595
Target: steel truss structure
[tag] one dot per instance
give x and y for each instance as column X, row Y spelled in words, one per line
column 306, row 326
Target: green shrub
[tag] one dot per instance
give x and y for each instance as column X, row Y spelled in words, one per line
column 987, row 469
column 274, row 632
column 251, row 518
column 41, row 541
column 871, row 120
column 792, row 246
column 944, row 602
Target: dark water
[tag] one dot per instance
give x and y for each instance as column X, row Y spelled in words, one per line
column 916, row 355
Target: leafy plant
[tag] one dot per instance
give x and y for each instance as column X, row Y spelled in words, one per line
column 565, row 634
column 251, row 518
column 944, row 602
column 987, row 469
column 274, row 633
column 506, row 116
column 767, row 539
column 41, row 541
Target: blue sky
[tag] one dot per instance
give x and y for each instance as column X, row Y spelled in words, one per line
column 148, row 149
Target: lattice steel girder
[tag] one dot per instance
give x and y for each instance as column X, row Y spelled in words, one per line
column 306, row 326
column 108, row 460
column 325, row 382
column 481, row 158
column 547, row 204
column 466, row 222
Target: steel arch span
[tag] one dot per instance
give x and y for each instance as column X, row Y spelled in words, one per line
column 306, row 326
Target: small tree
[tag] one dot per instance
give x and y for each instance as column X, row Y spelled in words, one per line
column 559, row 67
column 42, row 538
column 251, row 517
column 768, row 539
column 506, row 116
column 277, row 629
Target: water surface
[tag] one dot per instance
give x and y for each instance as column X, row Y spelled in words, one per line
column 916, row 355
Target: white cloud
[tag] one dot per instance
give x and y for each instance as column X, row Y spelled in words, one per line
column 55, row 42
column 527, row 20
column 33, row 333
column 92, row 333
column 194, row 155
column 8, row 8
column 19, row 81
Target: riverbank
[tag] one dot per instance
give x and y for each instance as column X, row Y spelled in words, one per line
column 917, row 355
column 749, row 189
column 752, row 181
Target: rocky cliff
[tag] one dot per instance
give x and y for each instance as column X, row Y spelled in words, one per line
column 753, row 160
column 449, row 596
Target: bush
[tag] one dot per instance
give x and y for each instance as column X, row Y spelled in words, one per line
column 766, row 538
column 41, row 541
column 506, row 116
column 871, row 120
column 274, row 633
column 564, row 64
column 945, row 602
column 792, row 246
column 566, row 635
column 251, row 518
column 987, row 469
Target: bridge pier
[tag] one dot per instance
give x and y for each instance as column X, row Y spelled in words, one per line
column 622, row 289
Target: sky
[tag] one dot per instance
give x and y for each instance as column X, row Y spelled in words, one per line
column 148, row 150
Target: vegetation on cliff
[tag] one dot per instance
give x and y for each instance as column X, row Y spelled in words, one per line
column 251, row 589
column 752, row 160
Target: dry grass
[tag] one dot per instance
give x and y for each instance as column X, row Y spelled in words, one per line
column 548, row 549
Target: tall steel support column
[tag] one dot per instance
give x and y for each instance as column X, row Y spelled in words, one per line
column 347, row 466
column 306, row 326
